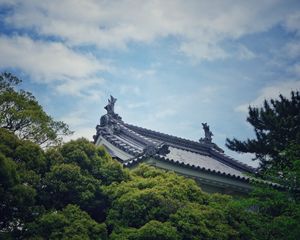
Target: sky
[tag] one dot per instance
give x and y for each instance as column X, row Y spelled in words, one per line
column 172, row 65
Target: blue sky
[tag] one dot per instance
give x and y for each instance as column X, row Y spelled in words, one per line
column 171, row 64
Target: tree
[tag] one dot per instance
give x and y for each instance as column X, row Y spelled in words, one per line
column 277, row 147
column 265, row 214
column 70, row 223
column 93, row 159
column 17, row 193
column 276, row 126
column 151, row 194
column 151, row 230
column 21, row 114
column 35, row 182
column 197, row 221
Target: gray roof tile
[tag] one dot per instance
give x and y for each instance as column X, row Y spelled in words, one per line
column 197, row 160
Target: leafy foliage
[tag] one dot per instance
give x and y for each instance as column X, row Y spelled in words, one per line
column 276, row 126
column 21, row 114
column 70, row 223
column 150, row 195
column 16, row 197
column 151, row 230
column 88, row 157
column 277, row 146
column 36, row 184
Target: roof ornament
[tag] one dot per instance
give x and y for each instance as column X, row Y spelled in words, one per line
column 150, row 150
column 109, row 121
column 110, row 107
column 208, row 134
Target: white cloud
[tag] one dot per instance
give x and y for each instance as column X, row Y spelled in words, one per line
column 75, row 118
column 81, row 132
column 200, row 26
column 295, row 69
column 82, row 88
column 78, row 120
column 200, row 50
column 48, row 62
column 271, row 92
column 138, row 104
column 292, row 22
column 141, row 73
column 164, row 113
column 130, row 89
column 292, row 49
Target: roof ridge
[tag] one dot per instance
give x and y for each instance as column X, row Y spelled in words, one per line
column 110, row 138
column 211, row 149
column 145, row 139
column 167, row 135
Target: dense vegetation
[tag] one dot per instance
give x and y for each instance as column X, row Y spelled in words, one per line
column 21, row 114
column 277, row 140
column 76, row 191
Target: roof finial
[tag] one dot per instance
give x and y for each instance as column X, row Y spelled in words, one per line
column 110, row 107
column 208, row 134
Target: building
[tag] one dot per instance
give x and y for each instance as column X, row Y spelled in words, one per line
column 204, row 160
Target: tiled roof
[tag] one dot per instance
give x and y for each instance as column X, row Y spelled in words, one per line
column 223, row 172
column 192, row 146
column 198, row 160
column 140, row 143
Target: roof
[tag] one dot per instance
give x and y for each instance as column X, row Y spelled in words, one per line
column 139, row 143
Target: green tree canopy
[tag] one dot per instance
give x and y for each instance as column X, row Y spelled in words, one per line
column 21, row 114
column 151, row 194
column 35, row 182
column 276, row 126
column 151, row 230
column 17, row 193
column 70, row 223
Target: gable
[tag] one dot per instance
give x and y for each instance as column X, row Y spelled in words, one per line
column 202, row 160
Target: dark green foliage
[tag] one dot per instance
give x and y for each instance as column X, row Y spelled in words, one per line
column 277, row 147
column 276, row 126
column 245, row 220
column 290, row 175
column 273, row 215
column 21, row 114
column 196, row 221
column 66, row 184
column 90, row 158
column 77, row 171
column 35, row 182
column 8, row 173
column 8, row 142
column 17, row 195
column 70, row 223
column 30, row 156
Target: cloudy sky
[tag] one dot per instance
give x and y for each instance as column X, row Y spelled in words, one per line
column 171, row 64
